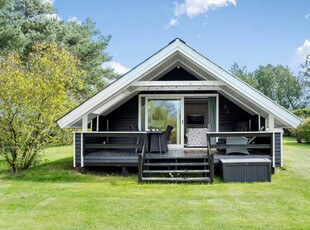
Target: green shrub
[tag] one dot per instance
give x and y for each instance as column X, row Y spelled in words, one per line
column 302, row 113
column 60, row 137
column 302, row 132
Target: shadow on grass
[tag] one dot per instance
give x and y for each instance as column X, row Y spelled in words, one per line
column 57, row 171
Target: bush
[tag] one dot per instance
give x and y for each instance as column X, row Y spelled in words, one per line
column 60, row 137
column 302, row 132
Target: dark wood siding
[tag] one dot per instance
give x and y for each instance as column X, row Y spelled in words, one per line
column 121, row 118
column 102, row 123
column 277, row 149
column 127, row 114
column 254, row 123
column 77, row 147
column 178, row 75
column 230, row 115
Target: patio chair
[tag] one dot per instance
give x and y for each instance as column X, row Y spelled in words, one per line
column 134, row 128
column 239, row 127
column 164, row 138
column 239, row 141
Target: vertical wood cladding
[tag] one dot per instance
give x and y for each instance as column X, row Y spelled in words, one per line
column 127, row 114
column 121, row 119
column 178, row 74
column 124, row 116
column 77, row 149
column 277, row 149
column 230, row 114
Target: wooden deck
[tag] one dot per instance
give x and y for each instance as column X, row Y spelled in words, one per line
column 116, row 158
column 197, row 164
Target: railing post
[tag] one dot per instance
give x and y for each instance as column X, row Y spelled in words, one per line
column 140, row 169
column 82, row 149
column 74, row 147
column 141, row 157
column 211, row 167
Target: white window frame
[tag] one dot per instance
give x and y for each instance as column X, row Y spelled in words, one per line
column 177, row 97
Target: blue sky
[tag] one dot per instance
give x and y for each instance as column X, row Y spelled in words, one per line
column 249, row 32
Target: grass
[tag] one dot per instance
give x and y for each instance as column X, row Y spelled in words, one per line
column 53, row 196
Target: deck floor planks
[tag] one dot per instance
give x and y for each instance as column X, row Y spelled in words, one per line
column 118, row 158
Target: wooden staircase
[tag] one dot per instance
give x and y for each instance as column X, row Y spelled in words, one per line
column 165, row 168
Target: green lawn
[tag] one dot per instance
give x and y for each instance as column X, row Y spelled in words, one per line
column 53, row 196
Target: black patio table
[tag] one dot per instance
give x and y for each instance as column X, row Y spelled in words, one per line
column 156, row 133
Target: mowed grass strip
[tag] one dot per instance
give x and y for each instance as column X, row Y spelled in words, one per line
column 53, row 196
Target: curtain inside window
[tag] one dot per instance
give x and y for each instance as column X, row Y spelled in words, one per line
column 212, row 116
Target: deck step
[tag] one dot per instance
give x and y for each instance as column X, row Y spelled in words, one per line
column 177, row 164
column 176, row 171
column 177, row 179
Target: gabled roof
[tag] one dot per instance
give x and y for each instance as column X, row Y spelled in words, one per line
column 174, row 55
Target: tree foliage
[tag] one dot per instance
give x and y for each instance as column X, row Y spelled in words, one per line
column 24, row 23
column 32, row 97
column 243, row 74
column 304, row 75
column 302, row 132
column 276, row 82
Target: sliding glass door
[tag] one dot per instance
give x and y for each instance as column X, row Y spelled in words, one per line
column 158, row 113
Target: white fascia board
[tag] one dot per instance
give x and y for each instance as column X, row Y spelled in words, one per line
column 122, row 83
column 177, row 83
column 177, row 88
column 241, row 86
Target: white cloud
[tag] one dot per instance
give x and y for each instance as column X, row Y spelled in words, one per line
column 193, row 8
column 173, row 22
column 117, row 67
column 52, row 16
column 307, row 16
column 48, row 1
column 74, row 19
column 302, row 52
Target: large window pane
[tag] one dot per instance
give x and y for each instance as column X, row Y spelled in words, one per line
column 163, row 112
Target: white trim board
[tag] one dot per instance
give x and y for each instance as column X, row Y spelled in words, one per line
column 182, row 98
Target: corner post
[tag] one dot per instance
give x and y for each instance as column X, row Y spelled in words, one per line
column 84, row 123
column 84, row 129
column 270, row 122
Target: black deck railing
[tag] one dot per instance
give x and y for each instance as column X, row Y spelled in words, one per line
column 261, row 141
column 129, row 148
column 111, row 142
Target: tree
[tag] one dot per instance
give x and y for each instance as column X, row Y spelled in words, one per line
column 304, row 76
column 24, row 23
column 276, row 82
column 243, row 74
column 279, row 84
column 2, row 3
column 32, row 97
column 303, row 130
